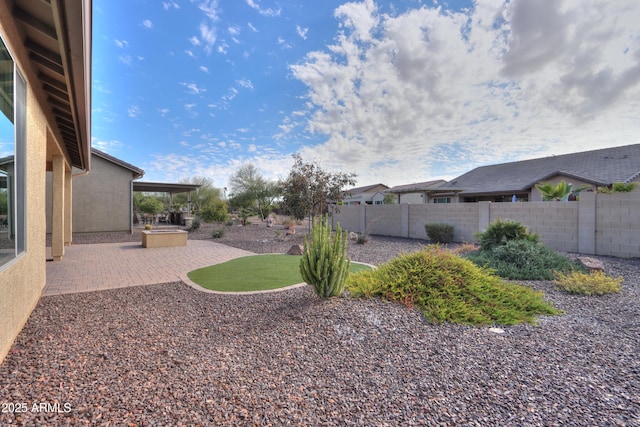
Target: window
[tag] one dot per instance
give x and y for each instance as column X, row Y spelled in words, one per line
column 442, row 200
column 13, row 92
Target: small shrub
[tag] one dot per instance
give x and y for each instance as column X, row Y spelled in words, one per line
column 447, row 288
column 229, row 223
column 522, row 260
column 218, row 234
column 324, row 264
column 464, row 248
column 148, row 226
column 619, row 187
column 500, row 232
column 362, row 239
column 288, row 223
column 439, row 233
column 195, row 223
column 595, row 283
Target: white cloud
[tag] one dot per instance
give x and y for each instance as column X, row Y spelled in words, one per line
column 252, row 148
column 133, row 111
column 433, row 92
column 163, row 111
column 283, row 43
column 251, row 27
column 204, row 69
column 147, row 24
column 195, row 41
column 125, row 59
column 210, row 9
column 193, row 88
column 106, row 146
column 207, row 36
column 170, row 4
column 234, row 30
column 245, row 83
column 302, row 32
column 121, row 43
column 254, row 4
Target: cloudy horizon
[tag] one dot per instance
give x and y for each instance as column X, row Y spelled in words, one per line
column 396, row 92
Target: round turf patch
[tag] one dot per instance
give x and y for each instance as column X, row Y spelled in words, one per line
column 254, row 273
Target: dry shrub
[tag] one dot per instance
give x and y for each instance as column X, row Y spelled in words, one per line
column 595, row 283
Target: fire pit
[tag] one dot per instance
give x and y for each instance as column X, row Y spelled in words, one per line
column 163, row 238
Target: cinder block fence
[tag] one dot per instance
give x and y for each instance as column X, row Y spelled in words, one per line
column 600, row 224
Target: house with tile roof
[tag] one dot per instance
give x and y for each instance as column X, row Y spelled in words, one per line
column 499, row 183
column 369, row 195
column 418, row 192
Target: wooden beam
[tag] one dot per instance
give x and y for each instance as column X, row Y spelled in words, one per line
column 35, row 23
column 56, row 92
column 58, row 69
column 43, row 52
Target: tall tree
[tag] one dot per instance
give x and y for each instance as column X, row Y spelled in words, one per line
column 205, row 194
column 250, row 190
column 309, row 189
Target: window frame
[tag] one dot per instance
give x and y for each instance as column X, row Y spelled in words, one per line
column 17, row 184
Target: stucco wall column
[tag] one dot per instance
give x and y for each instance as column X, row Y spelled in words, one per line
column 68, row 208
column 58, row 208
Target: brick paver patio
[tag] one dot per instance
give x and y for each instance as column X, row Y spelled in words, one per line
column 94, row 267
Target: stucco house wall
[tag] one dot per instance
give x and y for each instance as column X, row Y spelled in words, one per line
column 23, row 279
column 44, row 146
column 102, row 199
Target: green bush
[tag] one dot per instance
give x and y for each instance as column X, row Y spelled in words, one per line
column 218, row 234
column 500, row 232
column 447, row 288
column 215, row 210
column 324, row 264
column 195, row 223
column 362, row 239
column 522, row 260
column 439, row 233
column 595, row 283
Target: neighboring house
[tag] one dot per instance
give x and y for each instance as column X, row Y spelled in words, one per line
column 417, row 192
column 103, row 199
column 499, row 183
column 45, row 124
column 370, row 195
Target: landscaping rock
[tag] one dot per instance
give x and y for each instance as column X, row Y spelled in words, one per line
column 591, row 264
column 353, row 236
column 295, row 250
column 171, row 355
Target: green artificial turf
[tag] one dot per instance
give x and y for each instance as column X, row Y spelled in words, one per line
column 254, row 273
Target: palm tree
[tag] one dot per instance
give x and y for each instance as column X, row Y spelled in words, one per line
column 559, row 191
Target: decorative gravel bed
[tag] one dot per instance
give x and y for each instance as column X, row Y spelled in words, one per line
column 169, row 355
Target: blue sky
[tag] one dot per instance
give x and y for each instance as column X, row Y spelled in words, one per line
column 395, row 91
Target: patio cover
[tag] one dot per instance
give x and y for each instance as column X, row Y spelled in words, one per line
column 164, row 187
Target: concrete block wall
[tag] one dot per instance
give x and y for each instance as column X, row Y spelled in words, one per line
column 618, row 224
column 556, row 223
column 601, row 224
column 384, row 220
column 464, row 217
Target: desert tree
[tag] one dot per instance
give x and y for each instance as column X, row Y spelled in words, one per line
column 309, row 189
column 250, row 190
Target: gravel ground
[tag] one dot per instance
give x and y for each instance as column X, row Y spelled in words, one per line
column 169, row 355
